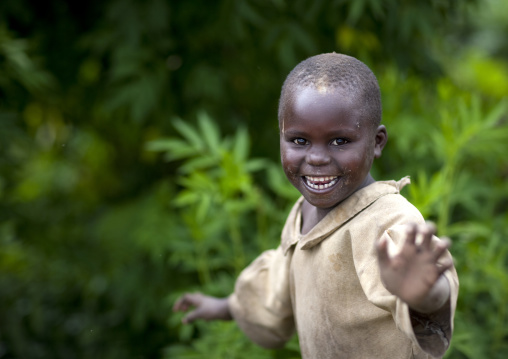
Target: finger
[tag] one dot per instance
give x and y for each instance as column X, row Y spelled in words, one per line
column 179, row 304
column 441, row 248
column 445, row 265
column 192, row 316
column 427, row 230
column 382, row 251
column 411, row 234
column 187, row 300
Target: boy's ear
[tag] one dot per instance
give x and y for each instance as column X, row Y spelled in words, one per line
column 381, row 138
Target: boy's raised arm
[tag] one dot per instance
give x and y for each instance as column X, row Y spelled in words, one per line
column 206, row 307
column 415, row 274
column 422, row 276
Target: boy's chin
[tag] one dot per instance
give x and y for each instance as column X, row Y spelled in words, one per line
column 323, row 204
column 328, row 200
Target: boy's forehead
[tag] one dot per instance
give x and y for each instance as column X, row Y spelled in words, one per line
column 309, row 104
column 320, row 99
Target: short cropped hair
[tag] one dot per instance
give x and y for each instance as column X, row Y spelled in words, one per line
column 349, row 76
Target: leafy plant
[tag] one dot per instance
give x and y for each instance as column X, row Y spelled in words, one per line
column 457, row 153
column 217, row 195
column 98, row 237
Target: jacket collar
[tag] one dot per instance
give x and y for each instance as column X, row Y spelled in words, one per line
column 349, row 208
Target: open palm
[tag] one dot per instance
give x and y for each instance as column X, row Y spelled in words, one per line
column 413, row 272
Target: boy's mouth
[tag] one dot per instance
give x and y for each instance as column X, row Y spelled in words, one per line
column 320, row 182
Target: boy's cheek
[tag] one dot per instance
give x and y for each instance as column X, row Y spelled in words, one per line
column 290, row 161
column 290, row 169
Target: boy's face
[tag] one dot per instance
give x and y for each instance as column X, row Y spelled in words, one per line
column 327, row 149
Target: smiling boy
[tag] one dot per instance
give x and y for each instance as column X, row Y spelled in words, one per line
column 358, row 273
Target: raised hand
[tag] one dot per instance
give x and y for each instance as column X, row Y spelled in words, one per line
column 414, row 274
column 206, row 307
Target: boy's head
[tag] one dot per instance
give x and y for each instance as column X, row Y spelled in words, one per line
column 330, row 132
column 335, row 72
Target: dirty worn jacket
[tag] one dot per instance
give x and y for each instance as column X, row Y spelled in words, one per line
column 326, row 285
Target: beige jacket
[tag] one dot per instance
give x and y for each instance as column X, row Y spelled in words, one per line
column 326, row 285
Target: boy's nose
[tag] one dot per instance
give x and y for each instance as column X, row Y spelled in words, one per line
column 317, row 157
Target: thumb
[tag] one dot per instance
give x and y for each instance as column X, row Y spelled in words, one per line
column 192, row 316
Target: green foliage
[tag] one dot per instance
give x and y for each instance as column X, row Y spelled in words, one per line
column 218, row 200
column 459, row 161
column 108, row 211
column 19, row 70
column 225, row 340
column 228, row 221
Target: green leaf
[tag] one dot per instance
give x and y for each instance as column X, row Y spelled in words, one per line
column 256, row 164
column 189, row 133
column 241, row 145
column 199, row 163
column 209, row 132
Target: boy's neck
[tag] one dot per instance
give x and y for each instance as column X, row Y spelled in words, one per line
column 312, row 215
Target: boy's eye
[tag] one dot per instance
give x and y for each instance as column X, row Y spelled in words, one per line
column 339, row 142
column 300, row 141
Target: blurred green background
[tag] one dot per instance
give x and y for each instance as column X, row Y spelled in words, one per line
column 139, row 159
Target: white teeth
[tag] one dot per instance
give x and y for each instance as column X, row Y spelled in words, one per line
column 320, row 179
column 317, row 182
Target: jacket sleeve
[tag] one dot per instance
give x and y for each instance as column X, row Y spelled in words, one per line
column 430, row 333
column 261, row 302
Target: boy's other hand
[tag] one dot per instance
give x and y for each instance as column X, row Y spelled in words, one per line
column 206, row 307
column 414, row 274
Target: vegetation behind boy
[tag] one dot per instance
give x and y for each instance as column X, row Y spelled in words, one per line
column 358, row 273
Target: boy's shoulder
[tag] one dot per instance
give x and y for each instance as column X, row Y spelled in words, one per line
column 381, row 195
column 393, row 199
column 380, row 203
column 387, row 206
